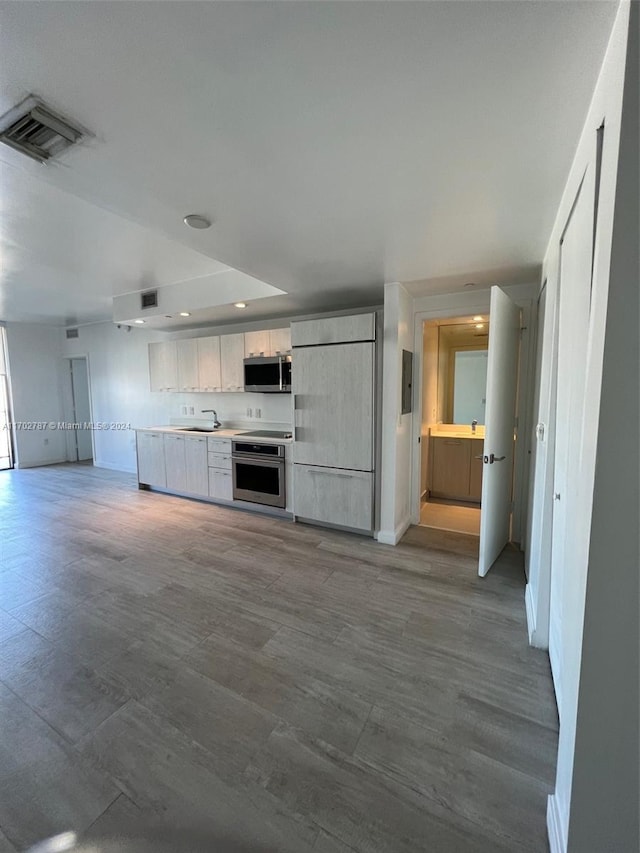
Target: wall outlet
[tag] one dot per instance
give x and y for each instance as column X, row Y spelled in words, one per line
column 46, row 441
column 192, row 410
column 183, row 410
column 258, row 413
column 249, row 412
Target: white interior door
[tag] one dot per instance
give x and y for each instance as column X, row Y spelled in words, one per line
column 81, row 408
column 502, row 386
column 573, row 326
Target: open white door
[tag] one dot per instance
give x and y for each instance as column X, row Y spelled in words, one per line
column 502, row 386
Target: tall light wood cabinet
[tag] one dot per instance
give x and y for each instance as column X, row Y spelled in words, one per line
column 333, row 384
column 209, row 363
column 232, row 362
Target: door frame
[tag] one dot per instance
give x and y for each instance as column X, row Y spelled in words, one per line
column 68, row 407
column 480, row 305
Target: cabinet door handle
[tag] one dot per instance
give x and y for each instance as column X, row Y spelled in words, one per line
column 341, row 475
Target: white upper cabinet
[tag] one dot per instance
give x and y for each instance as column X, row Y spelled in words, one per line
column 163, row 366
column 280, row 341
column 334, row 330
column 232, row 362
column 187, row 357
column 209, row 364
column 256, row 344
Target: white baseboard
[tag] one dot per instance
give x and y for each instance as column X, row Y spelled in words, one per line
column 392, row 537
column 554, row 826
column 531, row 613
column 40, row 464
column 112, row 466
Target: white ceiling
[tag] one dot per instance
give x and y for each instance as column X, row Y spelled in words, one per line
column 336, row 145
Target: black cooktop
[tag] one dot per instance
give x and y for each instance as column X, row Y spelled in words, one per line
column 266, row 433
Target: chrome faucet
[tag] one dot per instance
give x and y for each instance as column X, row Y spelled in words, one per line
column 474, row 424
column 216, row 422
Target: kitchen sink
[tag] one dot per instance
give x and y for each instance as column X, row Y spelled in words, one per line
column 194, row 429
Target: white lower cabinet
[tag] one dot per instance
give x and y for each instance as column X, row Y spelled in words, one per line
column 174, row 457
column 196, row 466
column 221, row 484
column 334, row 496
column 220, row 473
column 151, row 465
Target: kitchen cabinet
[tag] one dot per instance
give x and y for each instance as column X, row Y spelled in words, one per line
column 333, row 330
column 151, row 464
column 280, row 341
column 209, row 363
column 475, row 472
column 334, row 496
column 256, row 343
column 163, row 366
column 174, row 458
column 232, row 362
column 220, row 483
column 455, row 473
column 333, row 408
column 196, row 465
column 187, row 359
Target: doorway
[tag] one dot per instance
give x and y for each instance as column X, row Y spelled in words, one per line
column 6, row 443
column 78, row 412
column 454, row 377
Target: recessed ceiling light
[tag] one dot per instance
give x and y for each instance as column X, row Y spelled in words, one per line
column 477, row 319
column 185, row 314
column 470, row 284
column 196, row 220
column 139, row 322
column 479, row 326
column 239, row 304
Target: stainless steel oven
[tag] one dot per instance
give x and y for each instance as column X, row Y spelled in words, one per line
column 258, row 473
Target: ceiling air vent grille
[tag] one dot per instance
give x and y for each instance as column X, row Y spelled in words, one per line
column 73, row 333
column 36, row 130
column 149, row 299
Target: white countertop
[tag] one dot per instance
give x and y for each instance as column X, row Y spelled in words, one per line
column 218, row 433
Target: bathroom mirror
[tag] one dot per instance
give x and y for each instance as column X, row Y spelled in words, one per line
column 462, row 372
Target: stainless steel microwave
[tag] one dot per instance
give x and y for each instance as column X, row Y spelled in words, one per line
column 268, row 374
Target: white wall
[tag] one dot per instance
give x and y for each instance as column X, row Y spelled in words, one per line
column 119, row 383
column 604, row 809
column 35, row 375
column 395, row 514
column 566, row 818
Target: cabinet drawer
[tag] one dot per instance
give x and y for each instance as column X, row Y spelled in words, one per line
column 220, row 484
column 333, row 496
column 220, row 460
column 219, row 445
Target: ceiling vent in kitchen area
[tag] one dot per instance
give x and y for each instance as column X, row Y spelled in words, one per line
column 36, row 130
column 73, row 333
column 149, row 299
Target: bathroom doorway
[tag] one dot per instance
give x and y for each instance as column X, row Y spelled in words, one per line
column 78, row 412
column 454, row 378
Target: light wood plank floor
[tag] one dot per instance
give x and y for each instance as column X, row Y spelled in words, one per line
column 165, row 662
column 451, row 517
